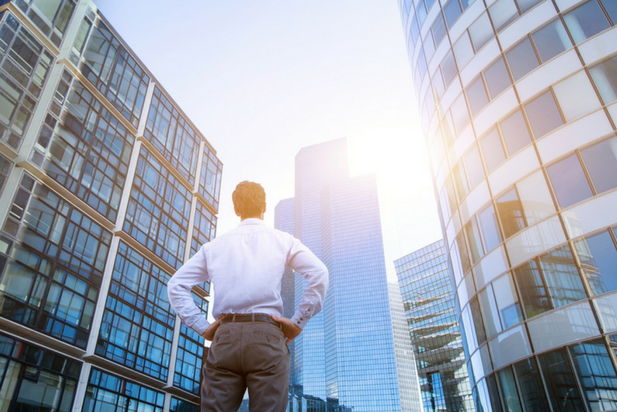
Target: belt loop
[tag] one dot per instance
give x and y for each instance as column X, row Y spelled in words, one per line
column 233, row 318
column 253, row 317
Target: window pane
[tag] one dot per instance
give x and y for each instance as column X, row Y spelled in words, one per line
column 604, row 75
column 527, row 4
column 611, row 9
column 532, row 390
column 543, row 114
column 551, row 40
column 502, row 12
column 492, row 150
column 507, row 301
column 473, row 165
column 601, row 163
column 522, row 59
column 439, row 29
column 473, row 238
column 460, row 114
column 515, row 133
column 448, row 68
column 536, row 198
column 508, row 389
column 511, row 213
column 562, row 277
column 460, row 181
column 532, row 289
column 489, row 312
column 481, row 31
column 576, row 97
column 476, row 94
column 560, row 381
column 497, row 78
column 599, row 262
column 463, row 50
column 569, row 181
column 489, row 227
column 596, row 374
column 452, row 11
column 586, row 21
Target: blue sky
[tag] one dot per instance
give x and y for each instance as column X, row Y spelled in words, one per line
column 262, row 79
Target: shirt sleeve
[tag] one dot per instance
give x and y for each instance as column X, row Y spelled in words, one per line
column 192, row 273
column 303, row 261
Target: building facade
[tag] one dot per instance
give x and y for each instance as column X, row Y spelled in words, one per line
column 425, row 283
column 344, row 358
column 409, row 385
column 106, row 189
column 518, row 101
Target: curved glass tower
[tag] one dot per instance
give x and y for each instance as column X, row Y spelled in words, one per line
column 519, row 105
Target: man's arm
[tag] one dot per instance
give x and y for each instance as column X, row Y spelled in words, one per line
column 192, row 273
column 303, row 261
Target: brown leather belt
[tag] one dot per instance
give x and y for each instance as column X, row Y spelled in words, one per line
column 250, row 317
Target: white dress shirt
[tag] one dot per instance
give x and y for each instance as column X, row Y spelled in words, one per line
column 246, row 267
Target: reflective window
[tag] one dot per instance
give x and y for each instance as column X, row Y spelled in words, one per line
column 481, row 31
column 189, row 360
column 474, row 240
column 576, row 96
column 511, row 213
column 526, row 5
column 492, row 149
column 51, row 17
column 489, row 227
column 611, row 8
column 452, row 11
column 180, row 405
column 508, row 389
column 210, row 177
column 5, row 168
column 462, row 187
column 24, row 66
column 35, row 379
column 586, row 21
column 460, row 114
column 522, row 59
column 596, row 374
column 106, row 392
column 560, row 381
column 503, row 12
column 551, row 40
column 448, row 68
column 515, row 133
column 543, row 114
column 600, row 160
column 473, row 166
column 604, row 75
column 172, row 136
column 55, row 258
column 598, row 259
column 115, row 73
column 549, row 281
column 497, row 78
column 569, row 182
column 138, row 324
column 438, row 29
column 536, row 198
column 463, row 51
column 158, row 210
column 489, row 311
column 531, row 387
column 508, row 304
column 476, row 94
column 87, row 150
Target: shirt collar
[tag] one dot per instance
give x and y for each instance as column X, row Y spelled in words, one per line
column 252, row 221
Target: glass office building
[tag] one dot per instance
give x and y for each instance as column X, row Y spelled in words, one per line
column 345, row 358
column 519, row 105
column 106, row 188
column 425, row 282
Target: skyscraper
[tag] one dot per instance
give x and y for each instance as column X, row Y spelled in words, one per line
column 518, row 104
column 106, row 187
column 428, row 296
column 345, row 356
column 409, row 385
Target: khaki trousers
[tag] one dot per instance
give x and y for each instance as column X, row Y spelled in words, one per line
column 245, row 355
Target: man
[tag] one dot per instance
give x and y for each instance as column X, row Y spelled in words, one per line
column 250, row 336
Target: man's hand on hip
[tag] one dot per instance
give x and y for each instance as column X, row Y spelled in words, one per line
column 209, row 333
column 290, row 329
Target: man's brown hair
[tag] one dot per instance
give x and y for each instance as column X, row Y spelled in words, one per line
column 249, row 199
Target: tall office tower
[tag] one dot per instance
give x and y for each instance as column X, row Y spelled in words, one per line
column 345, row 356
column 409, row 385
column 518, row 102
column 425, row 283
column 106, row 188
